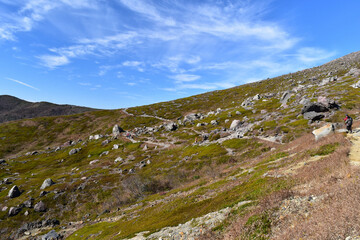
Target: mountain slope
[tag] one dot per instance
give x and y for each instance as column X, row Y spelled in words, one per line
column 240, row 163
column 12, row 108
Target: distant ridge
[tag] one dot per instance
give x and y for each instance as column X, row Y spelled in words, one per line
column 13, row 108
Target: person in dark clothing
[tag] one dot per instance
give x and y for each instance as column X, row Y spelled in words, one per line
column 348, row 122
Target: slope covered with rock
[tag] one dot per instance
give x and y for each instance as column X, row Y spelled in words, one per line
column 237, row 163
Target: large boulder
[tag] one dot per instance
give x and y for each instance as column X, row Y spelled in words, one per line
column 14, row 192
column 314, row 107
column 47, row 183
column 323, row 131
column 40, row 207
column 235, row 124
column 117, row 130
column 313, row 116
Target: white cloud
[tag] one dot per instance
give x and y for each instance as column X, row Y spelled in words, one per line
column 131, row 63
column 22, row 83
column 310, row 55
column 52, row 61
column 185, row 78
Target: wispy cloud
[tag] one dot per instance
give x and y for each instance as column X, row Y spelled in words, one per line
column 52, row 61
column 185, row 78
column 22, row 83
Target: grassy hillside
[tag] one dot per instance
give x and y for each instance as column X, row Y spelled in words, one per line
column 154, row 179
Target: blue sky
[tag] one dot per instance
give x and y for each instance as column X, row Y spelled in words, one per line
column 120, row 53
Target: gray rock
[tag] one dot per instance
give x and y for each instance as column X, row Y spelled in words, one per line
column 356, row 85
column 105, row 142
column 314, row 107
column 14, row 192
column 118, row 159
column 2, row 161
column 104, row 153
column 214, row 122
column 200, row 124
column 52, row 235
column 117, row 130
column 26, row 213
column 93, row 161
column 171, row 126
column 40, row 207
column 74, row 151
column 257, row 97
column 192, row 117
column 43, row 193
column 98, row 136
column 313, row 116
column 285, row 97
column 235, row 124
column 13, row 211
column 238, row 113
column 115, row 146
column 29, row 203
column 47, row 183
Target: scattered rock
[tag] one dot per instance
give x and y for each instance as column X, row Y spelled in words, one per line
column 13, row 211
column 47, row 183
column 314, row 107
column 26, row 213
column 115, row 146
column 323, row 131
column 171, row 126
column 93, row 161
column 43, row 193
column 104, row 153
column 4, row 208
column 257, row 97
column 29, row 203
column 105, row 142
column 2, row 161
column 98, row 136
column 238, row 113
column 356, row 85
column 14, row 192
column 118, row 159
column 40, row 207
column 74, row 151
column 117, row 130
column 313, row 116
column 52, row 235
column 285, row 97
column 214, row 122
column 235, row 124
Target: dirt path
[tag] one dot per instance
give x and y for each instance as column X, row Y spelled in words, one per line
column 355, row 148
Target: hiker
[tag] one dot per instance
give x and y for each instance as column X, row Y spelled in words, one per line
column 348, row 122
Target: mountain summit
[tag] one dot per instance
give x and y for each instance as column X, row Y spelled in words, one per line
column 12, row 108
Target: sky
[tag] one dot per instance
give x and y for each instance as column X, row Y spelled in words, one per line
column 112, row 54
